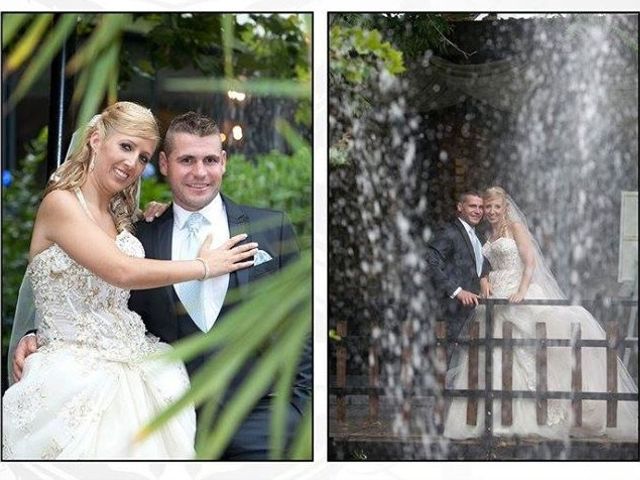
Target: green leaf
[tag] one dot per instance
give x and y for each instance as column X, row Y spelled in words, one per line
column 251, row 390
column 373, row 41
column 11, row 23
column 216, row 374
column 295, row 141
column 97, row 83
column 50, row 47
column 82, row 81
column 243, row 401
column 270, row 319
column 259, row 87
column 110, row 27
column 112, row 82
column 206, row 416
column 28, row 43
column 301, row 447
column 228, row 22
column 283, row 387
column 394, row 63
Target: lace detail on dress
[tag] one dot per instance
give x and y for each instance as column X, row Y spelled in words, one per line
column 82, row 409
column 52, row 450
column 91, row 386
column 28, row 406
column 7, row 451
column 506, row 266
column 74, row 306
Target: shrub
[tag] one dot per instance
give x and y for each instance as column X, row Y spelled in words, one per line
column 21, row 195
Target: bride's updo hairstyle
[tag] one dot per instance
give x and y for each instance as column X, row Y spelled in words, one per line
column 126, row 118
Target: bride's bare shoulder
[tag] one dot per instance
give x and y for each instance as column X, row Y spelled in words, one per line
column 520, row 233
column 58, row 202
column 517, row 227
column 51, row 212
column 58, row 209
column 57, row 198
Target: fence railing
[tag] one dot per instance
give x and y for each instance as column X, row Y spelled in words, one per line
column 614, row 343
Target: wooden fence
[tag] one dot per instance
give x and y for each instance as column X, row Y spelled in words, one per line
column 614, row 343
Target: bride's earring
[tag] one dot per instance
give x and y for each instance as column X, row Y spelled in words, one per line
column 92, row 163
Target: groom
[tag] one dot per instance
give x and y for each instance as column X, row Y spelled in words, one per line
column 456, row 264
column 193, row 162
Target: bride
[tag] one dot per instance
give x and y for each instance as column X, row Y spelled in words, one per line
column 90, row 387
column 518, row 273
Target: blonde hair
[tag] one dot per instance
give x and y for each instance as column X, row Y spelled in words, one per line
column 124, row 117
column 499, row 192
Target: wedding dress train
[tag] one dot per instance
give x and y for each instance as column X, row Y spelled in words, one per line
column 504, row 279
column 91, row 387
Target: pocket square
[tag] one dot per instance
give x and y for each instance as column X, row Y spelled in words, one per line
column 261, row 257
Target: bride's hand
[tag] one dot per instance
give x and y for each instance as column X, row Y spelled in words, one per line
column 229, row 256
column 516, row 297
column 485, row 288
column 154, row 210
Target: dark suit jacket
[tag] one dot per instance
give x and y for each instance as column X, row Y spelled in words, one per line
column 452, row 264
column 162, row 312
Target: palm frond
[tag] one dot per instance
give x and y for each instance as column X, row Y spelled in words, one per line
column 42, row 59
column 11, row 23
column 275, row 320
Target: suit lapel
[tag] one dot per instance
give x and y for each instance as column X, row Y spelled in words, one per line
column 238, row 223
column 164, row 235
column 466, row 238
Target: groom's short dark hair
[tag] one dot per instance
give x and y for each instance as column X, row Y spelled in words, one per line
column 191, row 122
column 467, row 193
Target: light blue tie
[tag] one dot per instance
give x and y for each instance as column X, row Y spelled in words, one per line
column 190, row 293
column 477, row 250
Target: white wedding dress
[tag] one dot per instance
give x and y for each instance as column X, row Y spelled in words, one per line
column 90, row 386
column 505, row 279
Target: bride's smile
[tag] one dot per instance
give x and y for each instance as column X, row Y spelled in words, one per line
column 493, row 210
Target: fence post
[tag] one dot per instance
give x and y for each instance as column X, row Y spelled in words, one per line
column 406, row 372
column 341, row 371
column 441, row 374
column 612, row 372
column 507, row 373
column 541, row 372
column 488, row 379
column 472, row 374
column 374, row 380
column 576, row 372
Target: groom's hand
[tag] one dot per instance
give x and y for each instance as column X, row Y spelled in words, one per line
column 26, row 346
column 154, row 210
column 467, row 298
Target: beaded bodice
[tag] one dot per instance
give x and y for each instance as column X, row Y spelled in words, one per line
column 506, row 266
column 75, row 307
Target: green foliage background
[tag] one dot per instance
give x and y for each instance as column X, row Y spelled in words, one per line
column 277, row 181
column 19, row 205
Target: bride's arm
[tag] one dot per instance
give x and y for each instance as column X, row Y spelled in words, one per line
column 485, row 287
column 61, row 220
column 525, row 248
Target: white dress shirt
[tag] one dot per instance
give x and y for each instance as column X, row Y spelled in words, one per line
column 216, row 223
